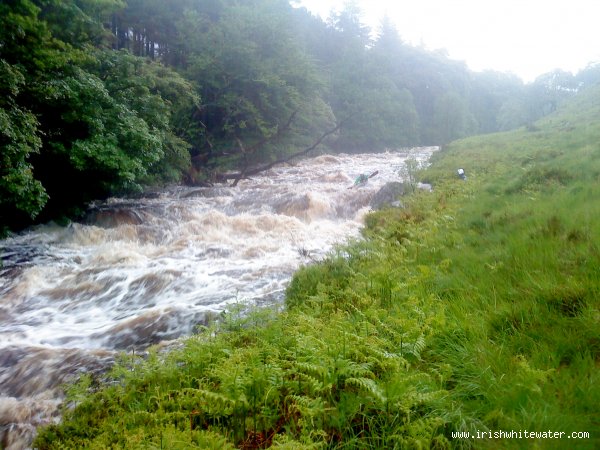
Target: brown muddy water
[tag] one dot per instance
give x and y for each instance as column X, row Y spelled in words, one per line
column 149, row 270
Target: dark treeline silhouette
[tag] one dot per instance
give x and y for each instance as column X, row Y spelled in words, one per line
column 103, row 97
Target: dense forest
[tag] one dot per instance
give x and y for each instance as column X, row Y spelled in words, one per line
column 103, row 97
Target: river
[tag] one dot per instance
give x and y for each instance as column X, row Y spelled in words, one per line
column 149, row 270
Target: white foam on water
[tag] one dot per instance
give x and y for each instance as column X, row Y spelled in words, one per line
column 148, row 270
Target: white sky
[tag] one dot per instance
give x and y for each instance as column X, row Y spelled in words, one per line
column 525, row 37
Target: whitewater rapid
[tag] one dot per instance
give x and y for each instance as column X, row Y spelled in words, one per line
column 142, row 271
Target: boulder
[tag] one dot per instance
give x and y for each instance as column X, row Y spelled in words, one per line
column 387, row 196
column 112, row 217
column 425, row 187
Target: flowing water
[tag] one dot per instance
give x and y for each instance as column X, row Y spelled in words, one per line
column 142, row 271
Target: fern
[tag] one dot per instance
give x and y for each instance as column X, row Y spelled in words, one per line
column 367, row 386
column 414, row 348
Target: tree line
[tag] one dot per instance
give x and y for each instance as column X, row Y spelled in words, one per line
column 104, row 97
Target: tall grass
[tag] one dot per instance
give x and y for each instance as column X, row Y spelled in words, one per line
column 475, row 307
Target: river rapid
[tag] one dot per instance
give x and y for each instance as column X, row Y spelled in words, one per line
column 144, row 271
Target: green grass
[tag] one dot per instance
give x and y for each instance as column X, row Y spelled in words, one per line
column 473, row 308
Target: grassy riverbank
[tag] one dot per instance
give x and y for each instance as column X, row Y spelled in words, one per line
column 474, row 308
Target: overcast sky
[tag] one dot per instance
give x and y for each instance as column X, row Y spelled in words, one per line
column 525, row 37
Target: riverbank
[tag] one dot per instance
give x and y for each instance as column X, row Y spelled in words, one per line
column 473, row 309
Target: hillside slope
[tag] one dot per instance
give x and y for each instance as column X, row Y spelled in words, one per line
column 474, row 309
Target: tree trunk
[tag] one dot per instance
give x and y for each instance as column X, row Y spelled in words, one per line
column 246, row 171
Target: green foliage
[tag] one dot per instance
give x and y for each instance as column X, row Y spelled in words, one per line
column 252, row 83
column 79, row 23
column 20, row 192
column 451, row 118
column 155, row 95
column 106, row 120
column 111, row 95
column 315, row 381
column 79, row 123
column 380, row 114
column 409, row 172
column 472, row 308
column 25, row 45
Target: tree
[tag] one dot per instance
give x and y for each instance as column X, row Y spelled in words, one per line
column 26, row 48
column 21, row 195
column 493, row 98
column 548, row 91
column 100, row 97
column 79, row 23
column 512, row 114
column 252, row 75
column 107, row 128
column 589, row 76
column 79, row 123
column 348, row 22
column 452, row 118
column 381, row 115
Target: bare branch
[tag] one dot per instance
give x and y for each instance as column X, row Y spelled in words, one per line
column 249, row 172
column 259, row 144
